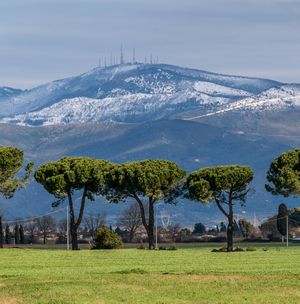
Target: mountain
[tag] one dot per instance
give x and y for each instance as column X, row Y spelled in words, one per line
column 138, row 111
column 128, row 93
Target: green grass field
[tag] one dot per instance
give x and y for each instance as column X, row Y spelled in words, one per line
column 189, row 275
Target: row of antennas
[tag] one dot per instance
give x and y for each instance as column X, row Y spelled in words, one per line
column 114, row 60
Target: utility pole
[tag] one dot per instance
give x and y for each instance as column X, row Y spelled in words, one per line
column 287, row 231
column 68, row 233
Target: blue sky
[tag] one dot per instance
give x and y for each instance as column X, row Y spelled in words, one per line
column 45, row 40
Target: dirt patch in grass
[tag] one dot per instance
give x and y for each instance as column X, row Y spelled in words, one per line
column 227, row 278
column 8, row 300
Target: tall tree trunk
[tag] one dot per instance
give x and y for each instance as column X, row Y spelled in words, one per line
column 131, row 236
column 44, row 239
column 74, row 224
column 230, row 234
column 1, row 233
column 74, row 239
column 73, row 231
column 151, row 225
column 230, row 224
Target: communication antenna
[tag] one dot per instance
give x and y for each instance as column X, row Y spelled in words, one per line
column 111, row 60
column 99, row 65
column 133, row 56
column 151, row 59
column 145, row 59
column 105, row 62
column 156, row 59
column 121, row 55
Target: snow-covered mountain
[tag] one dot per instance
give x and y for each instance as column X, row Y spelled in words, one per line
column 131, row 93
column 221, row 119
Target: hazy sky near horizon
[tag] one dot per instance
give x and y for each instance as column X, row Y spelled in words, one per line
column 51, row 39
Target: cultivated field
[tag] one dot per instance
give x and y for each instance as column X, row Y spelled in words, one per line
column 188, row 275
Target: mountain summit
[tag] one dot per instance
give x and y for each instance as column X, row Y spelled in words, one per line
column 135, row 93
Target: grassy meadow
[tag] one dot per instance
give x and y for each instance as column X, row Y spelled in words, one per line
column 187, row 275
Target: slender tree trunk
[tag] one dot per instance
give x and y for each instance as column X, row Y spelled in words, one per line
column 230, row 224
column 74, row 224
column 1, row 233
column 44, row 239
column 151, row 225
column 73, row 231
column 74, row 239
column 131, row 236
column 230, row 234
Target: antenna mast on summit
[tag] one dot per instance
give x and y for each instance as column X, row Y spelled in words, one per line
column 133, row 56
column 99, row 62
column 121, row 55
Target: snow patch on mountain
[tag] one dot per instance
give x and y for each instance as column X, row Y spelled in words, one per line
column 216, row 89
column 126, row 108
column 274, row 99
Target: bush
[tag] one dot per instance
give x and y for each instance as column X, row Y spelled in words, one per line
column 141, row 246
column 162, row 248
column 223, row 249
column 172, row 248
column 250, row 249
column 238, row 249
column 106, row 239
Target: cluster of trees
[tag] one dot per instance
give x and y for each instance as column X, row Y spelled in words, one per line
column 146, row 183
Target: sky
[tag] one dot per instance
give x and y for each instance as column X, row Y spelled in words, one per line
column 44, row 40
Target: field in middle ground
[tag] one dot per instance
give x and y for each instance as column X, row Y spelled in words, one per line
column 190, row 275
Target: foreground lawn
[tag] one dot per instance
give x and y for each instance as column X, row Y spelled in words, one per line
column 192, row 275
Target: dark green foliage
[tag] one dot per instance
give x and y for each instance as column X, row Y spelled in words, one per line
column 284, row 174
column 224, row 185
column 282, row 215
column 17, row 234
column 246, row 228
column 11, row 161
column 223, row 227
column 7, row 235
column 69, row 174
column 269, row 229
column 146, row 182
column 106, row 239
column 22, row 236
column 294, row 217
column 199, row 228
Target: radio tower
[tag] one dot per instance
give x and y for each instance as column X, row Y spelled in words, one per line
column 121, row 55
column 133, row 56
